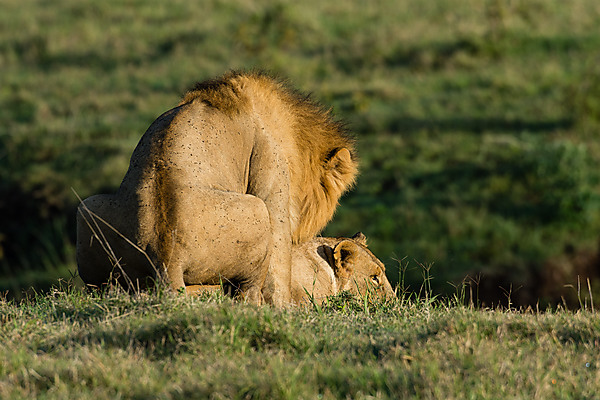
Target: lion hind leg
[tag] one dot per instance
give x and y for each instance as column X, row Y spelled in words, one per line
column 219, row 236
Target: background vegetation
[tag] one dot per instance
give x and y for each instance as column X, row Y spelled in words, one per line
column 66, row 344
column 477, row 122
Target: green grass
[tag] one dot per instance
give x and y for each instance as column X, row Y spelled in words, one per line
column 69, row 343
column 477, row 122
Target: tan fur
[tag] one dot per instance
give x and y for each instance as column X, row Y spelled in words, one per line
column 219, row 188
column 326, row 266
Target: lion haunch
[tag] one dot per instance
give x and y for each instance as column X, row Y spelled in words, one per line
column 220, row 187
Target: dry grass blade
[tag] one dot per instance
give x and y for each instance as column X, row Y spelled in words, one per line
column 99, row 235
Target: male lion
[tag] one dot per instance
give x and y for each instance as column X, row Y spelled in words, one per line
column 219, row 188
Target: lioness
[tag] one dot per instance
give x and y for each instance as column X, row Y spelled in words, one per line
column 220, row 187
column 325, row 266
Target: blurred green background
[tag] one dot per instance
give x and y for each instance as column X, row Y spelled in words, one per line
column 477, row 122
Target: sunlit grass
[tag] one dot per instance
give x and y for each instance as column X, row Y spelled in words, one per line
column 71, row 343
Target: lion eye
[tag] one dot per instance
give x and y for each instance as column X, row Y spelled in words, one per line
column 375, row 279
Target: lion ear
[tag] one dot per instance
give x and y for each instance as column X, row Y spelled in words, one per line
column 341, row 160
column 359, row 237
column 343, row 255
column 339, row 173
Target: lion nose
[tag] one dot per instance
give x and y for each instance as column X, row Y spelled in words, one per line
column 388, row 291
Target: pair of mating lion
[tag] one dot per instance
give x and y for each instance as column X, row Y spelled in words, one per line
column 232, row 186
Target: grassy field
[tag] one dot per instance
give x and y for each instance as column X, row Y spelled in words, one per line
column 164, row 346
column 477, row 123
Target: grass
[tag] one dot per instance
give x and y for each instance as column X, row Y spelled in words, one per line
column 477, row 122
column 169, row 346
